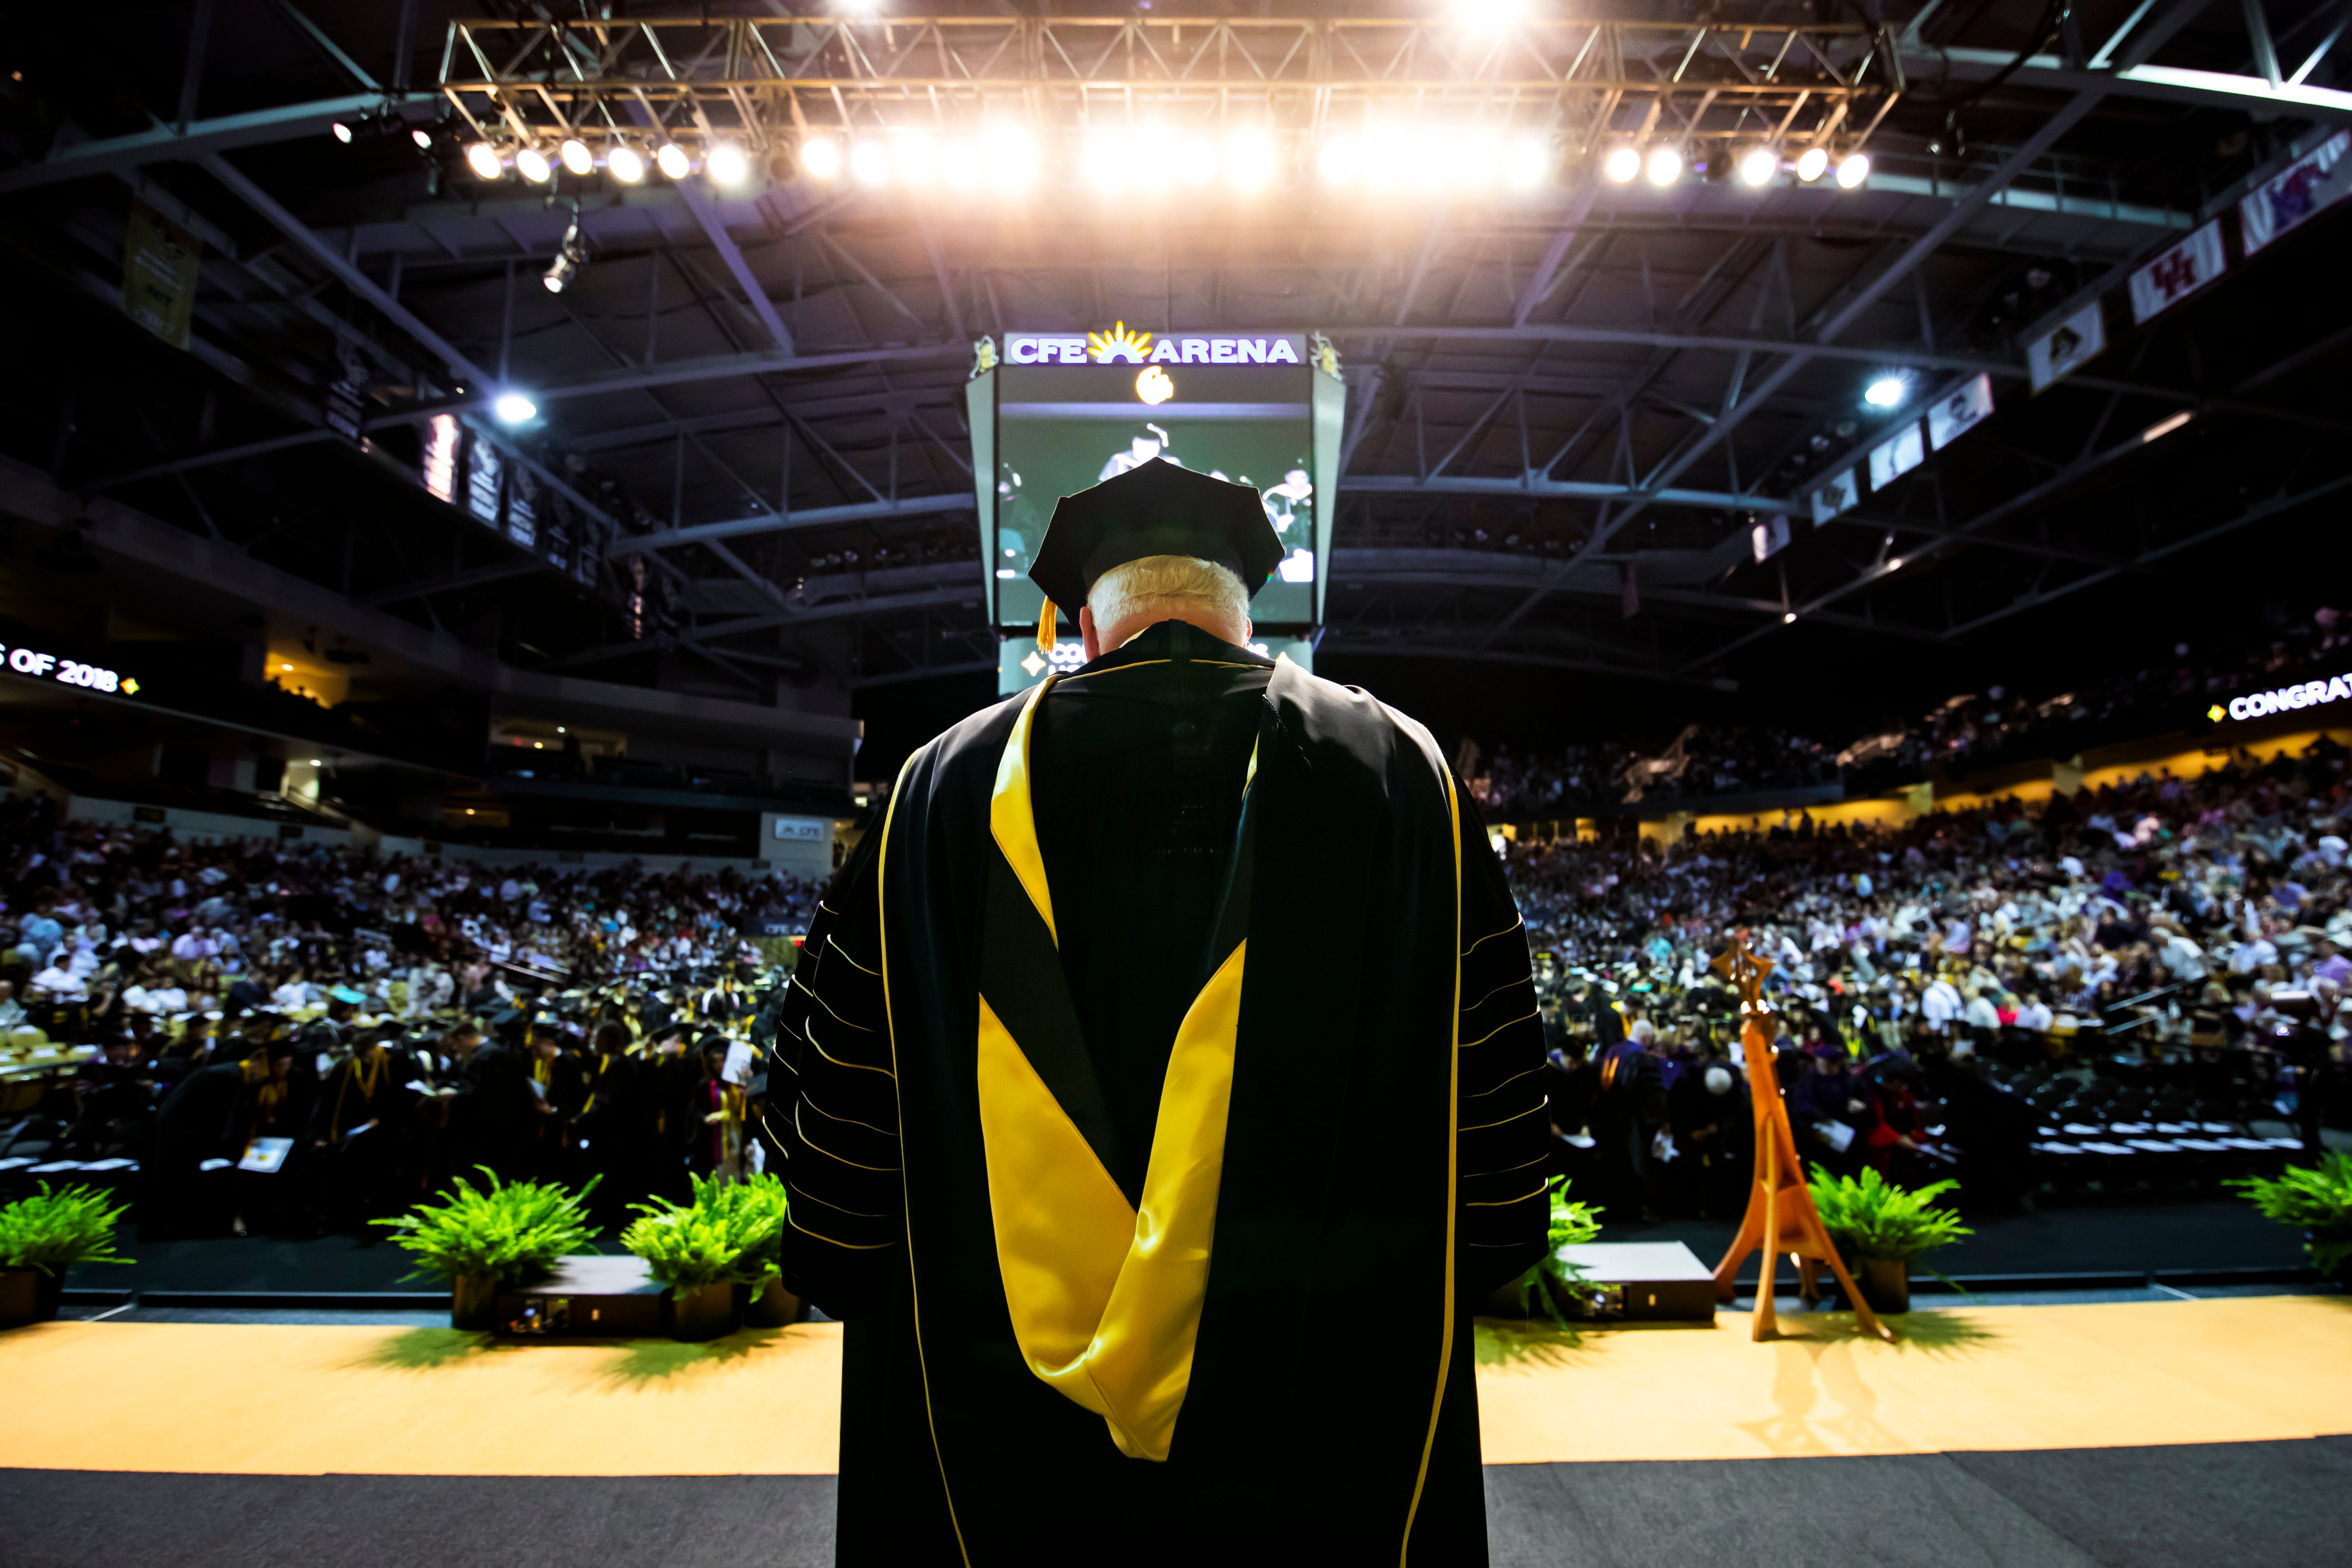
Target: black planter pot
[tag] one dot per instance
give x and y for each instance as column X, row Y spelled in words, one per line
column 474, row 1302
column 1886, row 1284
column 29, row 1295
column 701, row 1312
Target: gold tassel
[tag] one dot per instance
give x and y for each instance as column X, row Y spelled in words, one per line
column 1046, row 624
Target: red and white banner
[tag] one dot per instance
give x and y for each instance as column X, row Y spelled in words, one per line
column 2179, row 272
column 2303, row 189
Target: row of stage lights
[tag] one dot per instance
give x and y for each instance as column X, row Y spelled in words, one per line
column 724, row 162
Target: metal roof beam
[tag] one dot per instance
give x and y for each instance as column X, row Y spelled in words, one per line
column 163, row 143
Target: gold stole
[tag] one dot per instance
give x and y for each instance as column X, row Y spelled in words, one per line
column 1105, row 1299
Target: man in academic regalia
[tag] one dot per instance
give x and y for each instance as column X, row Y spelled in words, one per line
column 359, row 1127
column 1075, row 1163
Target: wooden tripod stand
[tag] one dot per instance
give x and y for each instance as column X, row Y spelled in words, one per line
column 1781, row 1214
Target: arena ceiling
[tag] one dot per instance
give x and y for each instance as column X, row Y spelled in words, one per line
column 1571, row 404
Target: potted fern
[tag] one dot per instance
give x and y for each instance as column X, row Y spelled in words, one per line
column 1553, row 1283
column 1881, row 1228
column 703, row 1249
column 477, row 1238
column 44, row 1235
column 761, row 1297
column 2316, row 1197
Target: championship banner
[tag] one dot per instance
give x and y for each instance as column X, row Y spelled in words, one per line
column 1958, row 413
column 1891, row 460
column 2309, row 186
column 159, row 274
column 2056, row 352
column 1840, row 492
column 2179, row 272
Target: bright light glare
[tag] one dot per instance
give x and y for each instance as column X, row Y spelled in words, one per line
column 1622, row 163
column 672, row 160
column 627, row 164
column 1810, row 163
column 1009, row 153
column 1336, row 161
column 1489, row 13
column 343, row 132
column 915, row 157
column 576, row 155
column 1894, row 564
column 870, row 162
column 1788, row 619
column 1758, row 165
column 1524, row 162
column 960, row 164
column 821, row 156
column 725, row 162
column 1852, row 169
column 1664, row 165
column 533, row 165
column 1885, row 392
column 1104, row 159
column 483, row 159
column 1249, row 160
column 423, row 138
column 514, row 408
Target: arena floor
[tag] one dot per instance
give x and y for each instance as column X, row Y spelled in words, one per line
column 2192, row 1432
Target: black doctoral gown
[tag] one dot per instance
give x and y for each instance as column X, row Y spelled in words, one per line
column 1382, row 1150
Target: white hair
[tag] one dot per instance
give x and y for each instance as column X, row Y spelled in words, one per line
column 1169, row 587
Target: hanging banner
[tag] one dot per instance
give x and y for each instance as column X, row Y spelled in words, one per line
column 2179, row 272
column 484, row 467
column 159, row 275
column 2080, row 337
column 1959, row 411
column 2307, row 187
column 1770, row 537
column 1839, row 492
column 1891, row 460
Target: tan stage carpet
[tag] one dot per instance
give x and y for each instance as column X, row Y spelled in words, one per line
column 324, row 1400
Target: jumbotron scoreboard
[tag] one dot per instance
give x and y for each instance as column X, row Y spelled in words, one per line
column 1057, row 412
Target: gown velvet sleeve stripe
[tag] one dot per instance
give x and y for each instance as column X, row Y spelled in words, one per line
column 833, row 1108
column 1505, row 1215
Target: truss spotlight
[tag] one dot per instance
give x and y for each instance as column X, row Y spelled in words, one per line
column 960, row 164
column 821, row 156
column 1758, row 165
column 533, row 165
column 1336, row 161
column 1789, row 618
column 483, row 159
column 1811, row 163
column 1886, row 390
column 1250, row 160
column 725, row 162
column 915, row 157
column 514, row 408
column 1664, row 165
column 423, row 138
column 1894, row 564
column 576, row 156
column 569, row 258
column 870, row 162
column 343, row 132
column 1104, row 159
column 1009, row 153
column 672, row 160
column 1852, row 169
column 1622, row 163
column 625, row 163
column 1525, row 159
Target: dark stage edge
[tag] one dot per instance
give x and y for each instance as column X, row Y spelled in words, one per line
column 2191, row 1505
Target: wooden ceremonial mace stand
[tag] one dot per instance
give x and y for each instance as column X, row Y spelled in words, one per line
column 1781, row 1214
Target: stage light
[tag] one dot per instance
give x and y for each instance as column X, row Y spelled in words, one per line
column 343, row 132
column 1525, row 160
column 1336, row 161
column 1852, row 169
column 1471, row 160
column 870, row 162
column 285, row 666
column 1886, row 390
column 483, row 159
column 1664, row 165
column 1758, row 165
column 1104, row 160
column 960, row 164
column 625, row 163
column 533, row 165
column 423, row 138
column 821, row 156
column 1790, row 619
column 1249, row 160
column 1894, row 564
column 1009, row 157
column 570, row 256
column 576, row 156
column 2165, row 427
column 672, row 160
column 725, row 162
column 915, row 157
column 1622, row 163
column 1488, row 13
column 514, row 408
column 1811, row 163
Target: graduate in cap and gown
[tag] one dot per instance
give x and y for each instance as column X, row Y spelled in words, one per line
column 1074, row 1162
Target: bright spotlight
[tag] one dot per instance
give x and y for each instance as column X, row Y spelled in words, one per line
column 1789, row 618
column 1852, row 169
column 1488, row 13
column 1664, row 165
column 821, row 156
column 1811, row 164
column 1195, row 158
column 483, row 159
column 915, row 157
column 570, row 256
column 1885, row 392
column 514, row 408
column 423, row 138
column 1622, row 165
column 1249, row 160
column 1009, row 157
column 960, row 164
column 672, row 160
column 870, row 162
column 725, row 162
column 343, row 132
column 576, row 156
column 1525, row 160
column 1894, row 564
column 1758, row 165
column 1335, row 160
column 1104, row 160
column 533, row 165
column 626, row 163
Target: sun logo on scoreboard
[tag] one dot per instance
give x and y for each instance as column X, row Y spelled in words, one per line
column 1119, row 344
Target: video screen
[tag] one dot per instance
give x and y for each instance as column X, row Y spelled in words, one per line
column 1061, row 428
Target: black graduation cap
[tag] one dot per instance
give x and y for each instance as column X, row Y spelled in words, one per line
column 1157, row 508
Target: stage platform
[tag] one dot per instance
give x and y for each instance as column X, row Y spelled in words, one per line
column 2205, row 1432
